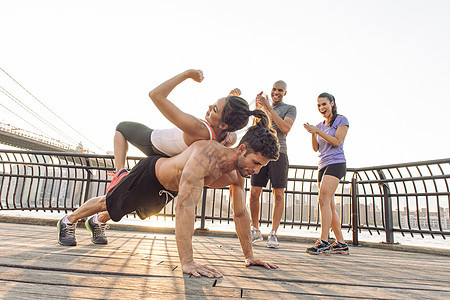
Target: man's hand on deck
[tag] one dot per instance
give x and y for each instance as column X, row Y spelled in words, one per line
column 257, row 262
column 198, row 270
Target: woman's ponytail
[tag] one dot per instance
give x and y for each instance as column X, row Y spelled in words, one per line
column 260, row 118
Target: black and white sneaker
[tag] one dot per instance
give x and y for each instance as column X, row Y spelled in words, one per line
column 97, row 231
column 66, row 233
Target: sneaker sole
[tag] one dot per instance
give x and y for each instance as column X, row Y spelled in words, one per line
column 317, row 253
column 63, row 244
column 273, row 246
column 86, row 224
column 340, row 252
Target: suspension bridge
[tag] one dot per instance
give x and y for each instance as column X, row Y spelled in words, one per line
column 28, row 123
column 24, row 139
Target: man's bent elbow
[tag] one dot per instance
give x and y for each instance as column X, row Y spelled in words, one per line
column 286, row 129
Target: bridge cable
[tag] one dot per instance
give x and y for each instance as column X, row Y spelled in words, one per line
column 34, row 114
column 23, row 119
column 51, row 110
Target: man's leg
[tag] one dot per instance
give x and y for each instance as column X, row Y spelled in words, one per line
column 278, row 174
column 255, row 194
column 90, row 207
column 104, row 217
column 278, row 207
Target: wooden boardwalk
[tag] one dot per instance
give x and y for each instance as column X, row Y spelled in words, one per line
column 137, row 265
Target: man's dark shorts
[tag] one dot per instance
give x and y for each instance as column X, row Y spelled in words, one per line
column 336, row 170
column 139, row 191
column 276, row 171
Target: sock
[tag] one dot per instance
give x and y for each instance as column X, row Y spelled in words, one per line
column 342, row 244
column 95, row 220
column 66, row 221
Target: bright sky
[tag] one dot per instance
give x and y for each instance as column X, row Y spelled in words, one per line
column 93, row 62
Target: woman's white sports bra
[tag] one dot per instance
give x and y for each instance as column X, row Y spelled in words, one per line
column 171, row 142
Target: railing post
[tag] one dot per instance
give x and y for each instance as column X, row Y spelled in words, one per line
column 203, row 215
column 387, row 204
column 355, row 218
column 88, row 182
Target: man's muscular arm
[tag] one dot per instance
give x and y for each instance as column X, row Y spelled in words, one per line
column 190, row 191
column 242, row 223
column 241, row 218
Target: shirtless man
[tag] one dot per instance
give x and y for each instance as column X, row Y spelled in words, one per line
column 204, row 163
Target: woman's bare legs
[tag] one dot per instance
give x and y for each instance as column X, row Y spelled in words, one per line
column 120, row 150
column 330, row 218
column 336, row 224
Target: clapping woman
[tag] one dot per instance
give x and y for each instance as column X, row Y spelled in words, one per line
column 328, row 139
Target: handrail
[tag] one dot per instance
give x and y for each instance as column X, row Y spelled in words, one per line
column 411, row 198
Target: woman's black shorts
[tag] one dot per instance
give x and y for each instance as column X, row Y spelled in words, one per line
column 336, row 170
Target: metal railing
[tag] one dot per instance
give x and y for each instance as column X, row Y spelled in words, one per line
column 411, row 198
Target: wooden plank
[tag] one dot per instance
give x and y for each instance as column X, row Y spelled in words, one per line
column 101, row 287
column 137, row 264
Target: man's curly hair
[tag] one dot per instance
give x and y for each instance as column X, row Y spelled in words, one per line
column 260, row 138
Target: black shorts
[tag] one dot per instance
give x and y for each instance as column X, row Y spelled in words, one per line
column 276, row 171
column 139, row 191
column 336, row 170
column 139, row 136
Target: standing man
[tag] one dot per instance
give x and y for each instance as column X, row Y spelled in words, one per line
column 283, row 117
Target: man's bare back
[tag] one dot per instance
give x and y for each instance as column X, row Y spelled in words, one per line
column 212, row 162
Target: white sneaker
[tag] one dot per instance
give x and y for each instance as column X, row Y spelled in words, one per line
column 256, row 235
column 272, row 241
